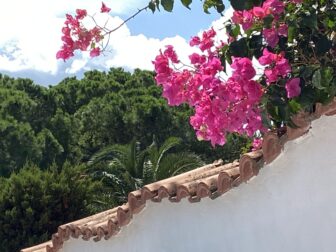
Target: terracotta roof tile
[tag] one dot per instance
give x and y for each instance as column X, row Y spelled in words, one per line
column 39, row 248
column 211, row 180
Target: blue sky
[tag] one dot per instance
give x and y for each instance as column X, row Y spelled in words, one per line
column 31, row 36
column 181, row 21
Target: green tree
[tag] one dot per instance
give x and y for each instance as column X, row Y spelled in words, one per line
column 33, row 203
column 18, row 145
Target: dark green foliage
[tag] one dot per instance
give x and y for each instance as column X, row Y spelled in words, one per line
column 76, row 118
column 33, row 203
column 218, row 5
column 167, row 5
column 186, row 3
column 18, row 145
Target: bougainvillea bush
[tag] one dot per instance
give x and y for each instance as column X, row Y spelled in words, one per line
column 293, row 40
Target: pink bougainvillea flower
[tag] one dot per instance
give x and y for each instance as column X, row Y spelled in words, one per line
column 212, row 67
column 161, row 64
column 195, row 59
column 96, row 33
column 267, row 57
column 64, row 54
column 174, row 90
column 257, row 144
column 271, row 75
column 278, row 66
column 271, row 37
column 171, row 54
column 207, row 40
column 81, row 14
column 247, row 20
column 293, row 87
column 195, row 41
column 274, row 7
column 243, row 68
column 244, row 18
column 104, row 8
column 283, row 30
column 95, row 52
column 253, row 90
column 237, row 17
column 70, row 20
column 282, row 66
column 259, row 12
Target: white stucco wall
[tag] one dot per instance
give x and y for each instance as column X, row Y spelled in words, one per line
column 289, row 206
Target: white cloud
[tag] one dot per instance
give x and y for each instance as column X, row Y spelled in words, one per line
column 76, row 66
column 31, row 30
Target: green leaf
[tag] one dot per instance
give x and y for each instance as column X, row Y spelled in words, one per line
column 239, row 48
column 206, row 7
column 220, row 7
column 233, row 30
column 255, row 44
column 331, row 23
column 152, row 6
column 223, row 56
column 256, row 2
column 186, row 3
column 310, row 21
column 306, row 71
column 323, row 45
column 316, row 80
column 236, row 31
column 167, row 5
column 294, row 106
column 242, row 4
column 217, row 4
column 268, row 21
column 307, row 97
column 292, row 31
column 327, row 76
column 322, row 78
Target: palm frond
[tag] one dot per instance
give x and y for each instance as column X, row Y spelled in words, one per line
column 170, row 143
column 107, row 153
column 176, row 163
column 148, row 172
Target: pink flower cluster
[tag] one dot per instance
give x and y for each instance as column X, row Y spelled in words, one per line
column 257, row 144
column 104, row 8
column 256, row 15
column 221, row 107
column 277, row 66
column 77, row 37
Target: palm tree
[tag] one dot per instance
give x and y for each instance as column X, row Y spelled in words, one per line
column 124, row 168
column 162, row 164
column 119, row 167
